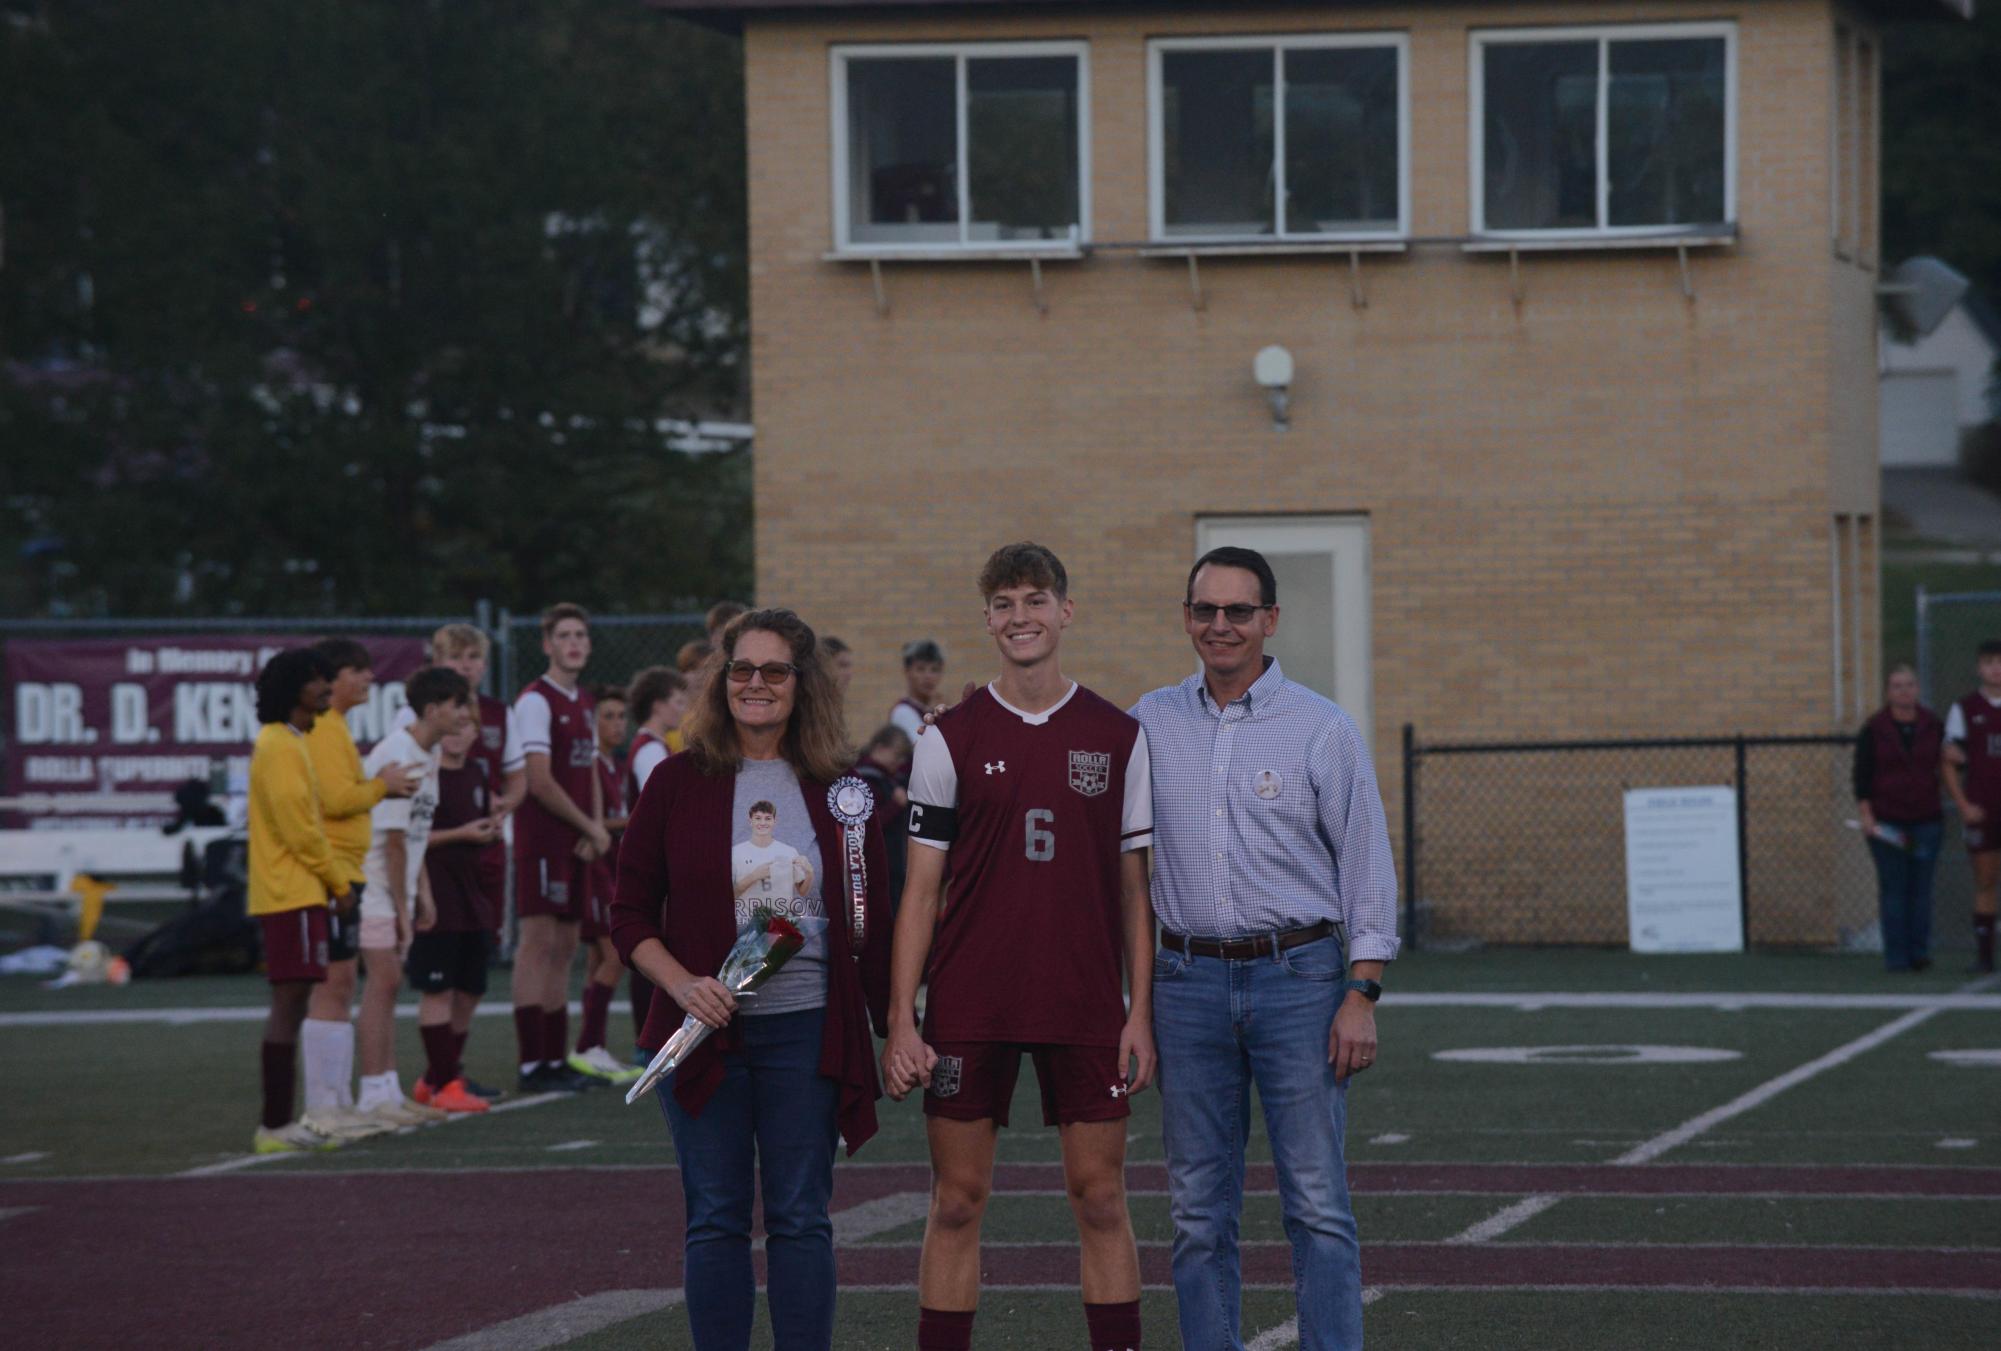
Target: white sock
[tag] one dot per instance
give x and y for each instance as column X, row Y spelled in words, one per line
column 343, row 1070
column 380, row 1090
column 319, row 1059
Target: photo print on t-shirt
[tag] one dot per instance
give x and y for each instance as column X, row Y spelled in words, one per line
column 769, row 874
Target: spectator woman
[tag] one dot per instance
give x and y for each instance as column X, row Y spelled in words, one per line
column 1897, row 758
column 786, row 1072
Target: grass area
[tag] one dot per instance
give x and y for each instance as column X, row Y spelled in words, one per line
column 1901, row 579
column 1907, row 1222
column 1578, row 969
column 1383, row 1219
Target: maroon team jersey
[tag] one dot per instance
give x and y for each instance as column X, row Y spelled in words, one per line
column 464, row 795
column 490, row 746
column 1981, row 776
column 604, row 870
column 630, row 781
column 570, row 741
column 1035, row 810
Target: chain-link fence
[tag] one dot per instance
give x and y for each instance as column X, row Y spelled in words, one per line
column 1951, row 627
column 1525, row 843
column 621, row 645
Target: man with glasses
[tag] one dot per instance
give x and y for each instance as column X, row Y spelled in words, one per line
column 1276, row 894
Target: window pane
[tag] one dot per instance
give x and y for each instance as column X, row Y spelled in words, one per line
column 1216, row 142
column 1340, row 139
column 903, row 185
column 1664, row 128
column 1541, row 135
column 1021, row 152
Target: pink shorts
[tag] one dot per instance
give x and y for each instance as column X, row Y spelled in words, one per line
column 378, row 930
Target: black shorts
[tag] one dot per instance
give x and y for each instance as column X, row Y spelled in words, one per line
column 441, row 962
column 344, row 931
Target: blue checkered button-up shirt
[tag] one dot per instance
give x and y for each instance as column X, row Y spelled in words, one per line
column 1266, row 816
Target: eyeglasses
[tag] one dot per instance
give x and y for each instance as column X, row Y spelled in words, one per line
column 1206, row 613
column 774, row 672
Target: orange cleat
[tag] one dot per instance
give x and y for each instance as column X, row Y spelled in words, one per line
column 421, row 1091
column 455, row 1097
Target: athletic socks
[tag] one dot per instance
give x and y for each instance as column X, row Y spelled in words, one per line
column 441, row 1062
column 1114, row 1327
column 280, row 1076
column 556, row 1034
column 459, row 1049
column 528, row 1037
column 942, row 1330
column 1983, row 941
column 379, row 1090
column 327, row 1048
column 597, row 1012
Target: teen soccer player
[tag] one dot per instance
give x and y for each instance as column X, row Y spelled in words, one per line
column 602, row 967
column 557, row 833
column 347, row 796
column 398, row 902
column 1973, row 777
column 923, row 668
column 293, row 872
column 659, row 700
column 447, row 962
column 1035, row 792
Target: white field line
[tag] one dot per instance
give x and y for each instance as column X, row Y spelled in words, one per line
column 569, row 1145
column 15, row 1212
column 1287, row 1333
column 562, row 1323
column 32, row 1156
column 861, row 1222
column 1966, row 1000
column 258, row 1160
column 1509, row 1217
column 244, row 1161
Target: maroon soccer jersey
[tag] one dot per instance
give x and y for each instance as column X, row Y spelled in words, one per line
column 557, row 723
column 630, row 782
column 1035, row 809
column 604, row 870
column 454, row 869
column 1977, row 731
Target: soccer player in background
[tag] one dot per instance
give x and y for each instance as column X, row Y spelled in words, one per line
column 659, row 700
column 1973, row 777
column 557, row 833
column 885, row 766
column 923, row 668
column 398, row 902
column 602, row 967
column 447, row 962
column 840, row 660
column 1035, row 792
column 347, row 796
column 718, row 618
column 293, row 873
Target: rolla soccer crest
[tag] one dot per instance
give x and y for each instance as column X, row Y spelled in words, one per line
column 945, row 1076
column 1090, row 771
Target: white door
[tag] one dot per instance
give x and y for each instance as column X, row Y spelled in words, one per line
column 1322, row 566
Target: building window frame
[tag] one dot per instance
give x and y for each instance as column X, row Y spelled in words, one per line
column 960, row 53
column 1481, row 40
column 1277, row 44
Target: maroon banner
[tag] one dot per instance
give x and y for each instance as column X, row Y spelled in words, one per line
column 144, row 715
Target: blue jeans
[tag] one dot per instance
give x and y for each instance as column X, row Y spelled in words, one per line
column 771, row 1121
column 1222, row 1025
column 1904, row 893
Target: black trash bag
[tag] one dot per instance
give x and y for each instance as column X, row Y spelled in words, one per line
column 216, row 936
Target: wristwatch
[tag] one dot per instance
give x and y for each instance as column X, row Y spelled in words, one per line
column 1371, row 990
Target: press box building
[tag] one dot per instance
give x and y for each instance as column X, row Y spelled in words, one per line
column 1580, row 438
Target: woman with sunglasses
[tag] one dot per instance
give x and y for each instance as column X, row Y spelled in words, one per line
column 792, row 1066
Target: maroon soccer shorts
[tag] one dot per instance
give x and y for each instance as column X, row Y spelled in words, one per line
column 551, row 886
column 1984, row 838
column 974, row 1081
column 295, row 944
column 596, row 919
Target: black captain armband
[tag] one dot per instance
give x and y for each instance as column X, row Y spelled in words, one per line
column 940, row 825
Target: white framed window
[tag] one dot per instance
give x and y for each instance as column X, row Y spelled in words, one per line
column 1294, row 137
column 967, row 147
column 1603, row 132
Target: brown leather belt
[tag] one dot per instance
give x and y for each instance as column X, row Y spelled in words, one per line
column 1244, row 949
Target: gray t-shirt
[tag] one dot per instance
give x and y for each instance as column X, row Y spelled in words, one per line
column 775, row 864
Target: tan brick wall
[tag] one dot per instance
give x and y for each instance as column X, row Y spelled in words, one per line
column 1605, row 511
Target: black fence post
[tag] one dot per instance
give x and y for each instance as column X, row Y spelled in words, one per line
column 1410, row 836
column 1743, row 851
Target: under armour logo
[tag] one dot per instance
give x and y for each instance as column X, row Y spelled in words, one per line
column 1119, row 1090
column 996, row 766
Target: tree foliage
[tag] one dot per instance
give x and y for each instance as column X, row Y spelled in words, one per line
column 1942, row 144
column 367, row 306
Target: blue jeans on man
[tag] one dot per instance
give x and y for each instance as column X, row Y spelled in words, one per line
column 771, row 1121
column 1221, row 1026
column 1904, row 893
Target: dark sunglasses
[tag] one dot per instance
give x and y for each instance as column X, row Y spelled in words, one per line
column 1206, row 613
column 774, row 672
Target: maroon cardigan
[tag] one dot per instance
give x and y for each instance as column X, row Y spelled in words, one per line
column 674, row 885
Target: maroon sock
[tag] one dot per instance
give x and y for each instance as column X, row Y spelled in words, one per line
column 556, row 1034
column 942, row 1330
column 641, row 991
column 281, row 1076
column 1114, row 1327
column 528, row 1034
column 1983, row 940
column 597, row 1012
column 441, row 1059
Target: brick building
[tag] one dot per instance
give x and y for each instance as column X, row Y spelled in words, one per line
column 1581, row 438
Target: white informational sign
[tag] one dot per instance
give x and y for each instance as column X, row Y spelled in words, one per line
column 1683, row 889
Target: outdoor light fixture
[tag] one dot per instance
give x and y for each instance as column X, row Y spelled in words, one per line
column 1920, row 292
column 1272, row 368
